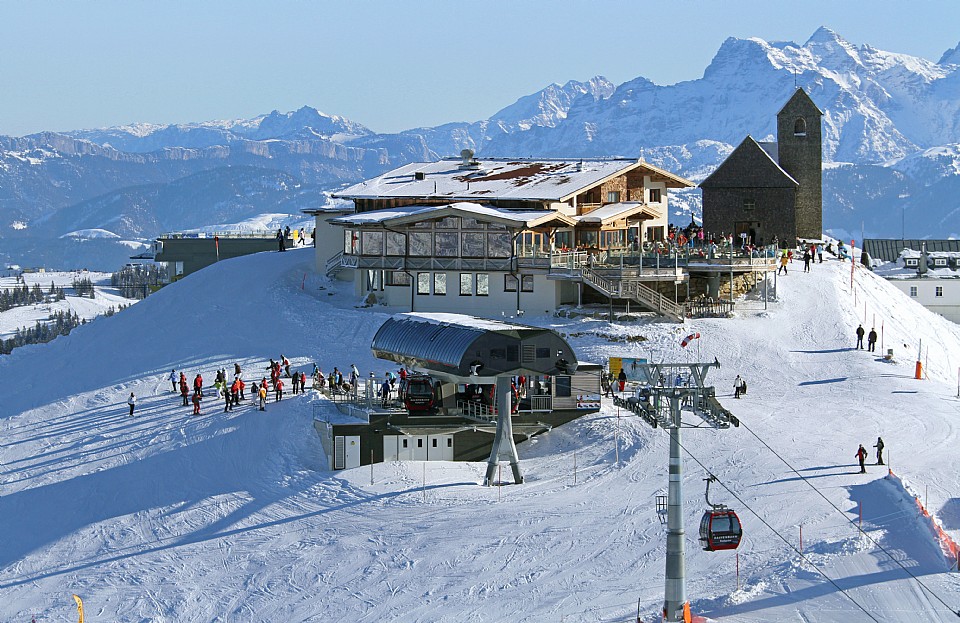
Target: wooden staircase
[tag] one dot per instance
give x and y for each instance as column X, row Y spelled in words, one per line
column 634, row 291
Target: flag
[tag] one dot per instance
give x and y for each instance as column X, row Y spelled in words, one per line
column 79, row 607
column 688, row 339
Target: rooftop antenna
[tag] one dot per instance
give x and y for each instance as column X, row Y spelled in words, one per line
column 641, row 154
column 794, row 77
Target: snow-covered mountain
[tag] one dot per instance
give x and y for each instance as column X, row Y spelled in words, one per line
column 891, row 141
column 234, row 516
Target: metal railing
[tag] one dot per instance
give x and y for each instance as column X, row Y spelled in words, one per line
column 634, row 290
column 334, row 264
column 477, row 410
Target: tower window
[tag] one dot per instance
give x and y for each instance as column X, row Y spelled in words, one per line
column 749, row 203
column 800, row 127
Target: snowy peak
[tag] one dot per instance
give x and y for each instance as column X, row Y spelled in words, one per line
column 549, row 106
column 306, row 122
column 831, row 48
column 950, row 57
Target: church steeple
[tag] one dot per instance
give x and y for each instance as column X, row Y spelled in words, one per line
column 800, row 153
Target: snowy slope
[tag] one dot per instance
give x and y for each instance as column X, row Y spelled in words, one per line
column 232, row 517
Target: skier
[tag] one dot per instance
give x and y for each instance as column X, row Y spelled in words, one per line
column 280, row 240
column 303, row 381
column 806, row 261
column 862, row 456
column 604, row 384
column 783, row 263
column 278, row 389
column 286, row 365
column 262, row 393
column 820, row 254
column 196, row 403
column 227, row 400
column 184, row 390
column 198, row 385
column 296, row 382
column 879, row 447
column 173, row 380
column 235, row 392
column 872, row 340
column 860, row 333
column 385, row 392
column 736, row 387
column 622, row 379
column 132, row 401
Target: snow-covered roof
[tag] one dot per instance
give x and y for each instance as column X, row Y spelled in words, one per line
column 898, row 269
column 411, row 214
column 615, row 211
column 541, row 180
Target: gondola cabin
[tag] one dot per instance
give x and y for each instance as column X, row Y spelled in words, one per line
column 420, row 395
column 720, row 529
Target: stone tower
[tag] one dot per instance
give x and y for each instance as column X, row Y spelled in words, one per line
column 800, row 154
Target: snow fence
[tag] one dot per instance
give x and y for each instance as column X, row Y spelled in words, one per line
column 949, row 547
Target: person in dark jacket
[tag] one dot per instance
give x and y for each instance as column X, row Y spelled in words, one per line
column 184, row 390
column 281, row 241
column 860, row 333
column 872, row 340
column 879, row 447
column 622, row 379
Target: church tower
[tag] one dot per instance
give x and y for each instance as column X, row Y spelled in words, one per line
column 800, row 154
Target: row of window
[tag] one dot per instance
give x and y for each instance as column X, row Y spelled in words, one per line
column 613, row 196
column 914, row 262
column 471, row 284
column 937, row 291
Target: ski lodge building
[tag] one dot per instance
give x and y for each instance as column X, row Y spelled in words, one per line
column 928, row 271
column 463, row 356
column 501, row 235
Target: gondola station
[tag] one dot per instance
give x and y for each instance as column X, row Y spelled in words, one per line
column 449, row 407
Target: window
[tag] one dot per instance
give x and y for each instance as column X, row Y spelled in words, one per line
column 396, row 243
column 913, row 290
column 563, row 386
column 466, row 284
column 526, row 283
column 450, row 222
column 938, row 291
column 939, row 261
column 483, row 284
column 613, row 196
column 419, row 443
column 421, row 243
column 470, row 223
column 434, row 440
column 372, row 242
column 398, row 278
column 912, row 262
column 498, row 245
column 563, row 239
column 471, row 245
column 543, row 353
column 588, row 238
column 404, row 443
column 423, row 283
column 446, row 244
column 449, row 442
column 654, row 195
column 351, row 242
column 509, row 283
column 749, row 203
column 800, row 127
column 439, row 284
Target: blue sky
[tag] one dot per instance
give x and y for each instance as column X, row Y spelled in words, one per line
column 388, row 65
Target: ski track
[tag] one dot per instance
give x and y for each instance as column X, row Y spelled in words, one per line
column 233, row 516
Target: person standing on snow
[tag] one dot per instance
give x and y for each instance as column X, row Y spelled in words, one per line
column 860, row 333
column 385, row 392
column 872, row 340
column 262, row 393
column 296, row 381
column 879, row 447
column 173, row 380
column 783, row 263
column 736, row 386
column 278, row 391
column 622, row 379
column 806, row 260
column 196, row 403
column 280, row 240
column 862, row 456
column 198, row 385
column 227, row 400
column 132, row 401
column 354, row 378
column 184, row 390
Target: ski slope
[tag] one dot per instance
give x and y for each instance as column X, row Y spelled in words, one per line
column 234, row 517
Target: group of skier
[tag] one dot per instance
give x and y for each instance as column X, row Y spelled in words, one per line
column 861, row 455
column 234, row 392
column 871, row 338
column 298, row 237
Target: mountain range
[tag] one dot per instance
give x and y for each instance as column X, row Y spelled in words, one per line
column 891, row 149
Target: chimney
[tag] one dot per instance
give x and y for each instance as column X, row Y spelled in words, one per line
column 419, row 176
column 468, row 161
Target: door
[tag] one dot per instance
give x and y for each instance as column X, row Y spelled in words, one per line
column 351, row 452
column 419, row 448
column 391, row 444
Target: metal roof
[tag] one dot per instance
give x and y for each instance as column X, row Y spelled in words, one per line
column 393, row 217
column 451, row 343
column 889, row 250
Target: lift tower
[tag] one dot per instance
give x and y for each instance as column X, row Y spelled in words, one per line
column 663, row 407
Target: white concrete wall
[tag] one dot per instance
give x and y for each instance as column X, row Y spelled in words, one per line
column 947, row 305
column 544, row 299
column 329, row 239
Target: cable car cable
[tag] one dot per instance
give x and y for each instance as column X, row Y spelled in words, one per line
column 782, row 538
column 836, row 508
